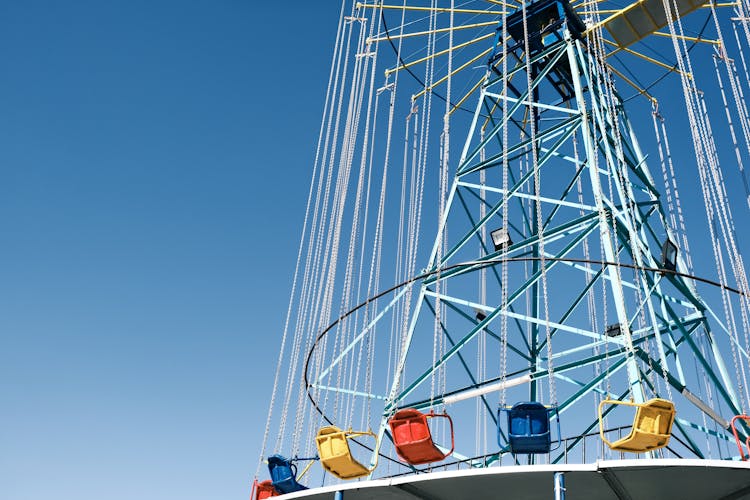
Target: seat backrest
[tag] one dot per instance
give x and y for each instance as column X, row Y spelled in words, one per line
column 409, row 425
column 332, row 442
column 281, row 469
column 335, row 455
column 526, row 419
column 654, row 417
column 263, row 490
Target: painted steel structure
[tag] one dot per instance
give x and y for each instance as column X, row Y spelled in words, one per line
column 559, row 277
column 552, row 159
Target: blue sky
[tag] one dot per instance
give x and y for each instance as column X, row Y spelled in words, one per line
column 155, row 159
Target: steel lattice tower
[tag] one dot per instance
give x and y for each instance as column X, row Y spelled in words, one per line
column 583, row 281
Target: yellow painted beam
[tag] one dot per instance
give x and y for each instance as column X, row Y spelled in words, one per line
column 627, row 80
column 487, row 120
column 504, row 4
column 441, row 30
column 654, row 61
column 460, row 68
column 688, row 38
column 428, row 9
column 492, row 112
column 466, row 96
column 436, row 54
column 642, row 56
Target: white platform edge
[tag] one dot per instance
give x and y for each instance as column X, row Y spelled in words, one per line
column 516, row 469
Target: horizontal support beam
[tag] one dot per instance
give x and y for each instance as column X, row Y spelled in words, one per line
column 473, row 393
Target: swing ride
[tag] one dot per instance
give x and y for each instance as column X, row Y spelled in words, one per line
column 529, row 428
column 413, row 439
column 283, row 474
column 560, row 333
column 652, row 426
column 336, row 456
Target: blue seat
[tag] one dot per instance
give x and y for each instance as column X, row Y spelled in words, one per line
column 283, row 474
column 529, row 427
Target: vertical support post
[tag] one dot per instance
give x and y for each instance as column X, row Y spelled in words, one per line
column 559, row 486
column 608, row 244
column 339, row 495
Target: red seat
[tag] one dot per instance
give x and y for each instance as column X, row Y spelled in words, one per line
column 263, row 490
column 737, row 437
column 413, row 439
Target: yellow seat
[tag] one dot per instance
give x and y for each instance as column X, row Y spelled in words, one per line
column 652, row 425
column 335, row 455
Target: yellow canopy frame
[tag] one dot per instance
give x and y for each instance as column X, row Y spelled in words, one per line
column 652, row 425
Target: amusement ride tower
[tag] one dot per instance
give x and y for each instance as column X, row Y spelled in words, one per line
column 561, row 318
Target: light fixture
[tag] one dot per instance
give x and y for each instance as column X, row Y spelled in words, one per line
column 500, row 238
column 614, row 330
column 480, row 315
column 669, row 255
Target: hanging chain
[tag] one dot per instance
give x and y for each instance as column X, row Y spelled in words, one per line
column 506, row 226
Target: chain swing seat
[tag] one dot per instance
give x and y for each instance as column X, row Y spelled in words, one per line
column 651, row 429
column 262, row 490
column 284, row 474
column 336, row 456
column 528, row 427
column 746, row 418
column 413, row 439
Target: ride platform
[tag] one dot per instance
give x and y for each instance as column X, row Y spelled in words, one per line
column 686, row 479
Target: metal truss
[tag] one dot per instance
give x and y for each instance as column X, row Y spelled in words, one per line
column 595, row 231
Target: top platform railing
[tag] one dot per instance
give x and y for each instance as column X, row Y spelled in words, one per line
column 589, row 449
